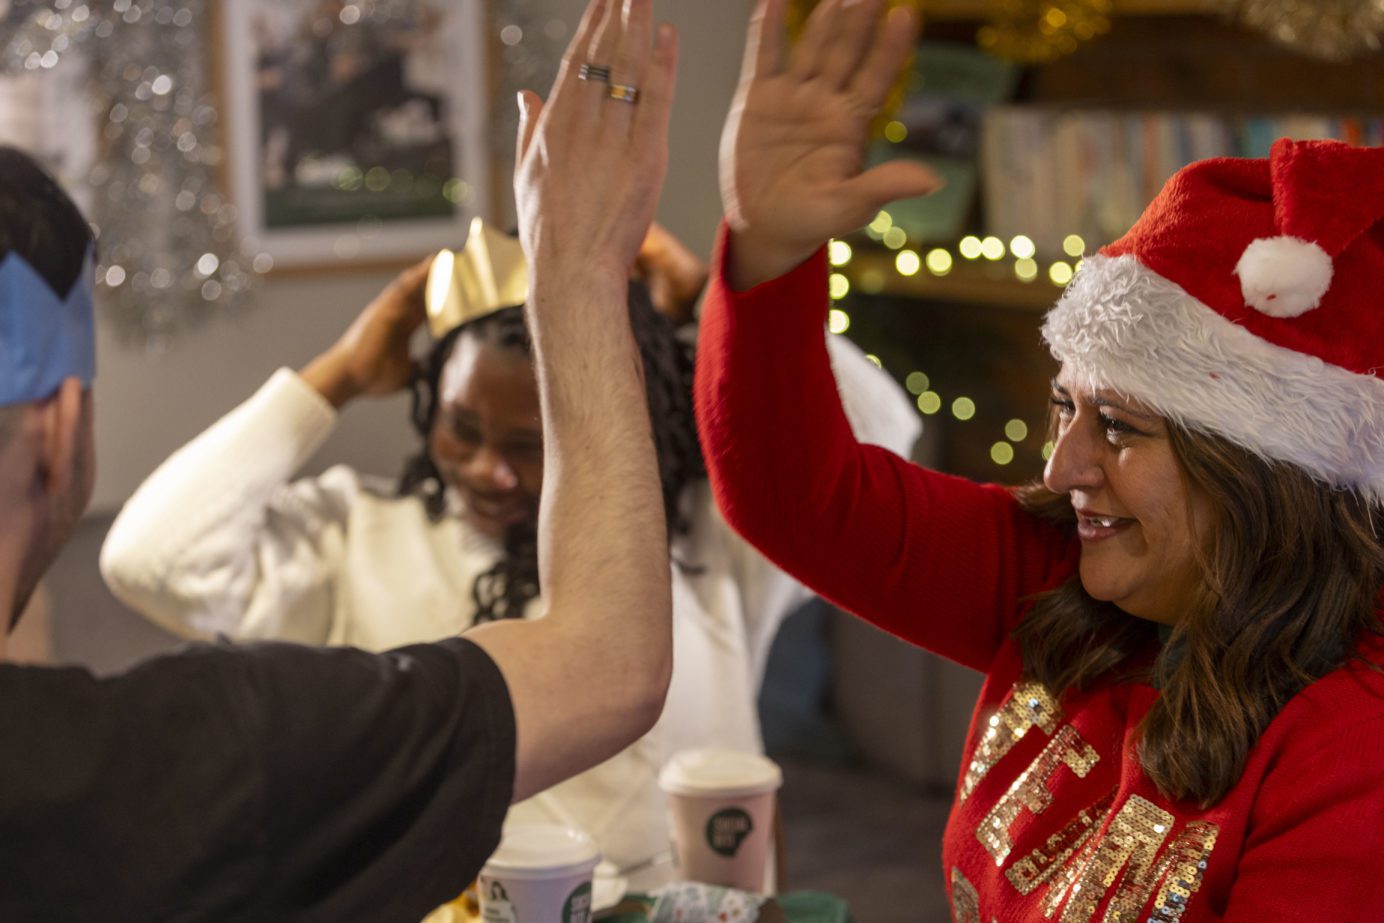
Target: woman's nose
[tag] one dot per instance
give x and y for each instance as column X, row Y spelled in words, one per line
column 490, row 466
column 1075, row 461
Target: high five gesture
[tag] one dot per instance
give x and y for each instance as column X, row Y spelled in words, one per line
column 590, row 167
column 793, row 152
column 590, row 163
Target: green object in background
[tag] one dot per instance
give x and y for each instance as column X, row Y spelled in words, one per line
column 813, row 907
column 942, row 215
column 793, row 907
column 960, row 72
column 939, row 124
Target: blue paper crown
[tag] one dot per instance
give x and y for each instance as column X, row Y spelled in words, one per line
column 43, row 338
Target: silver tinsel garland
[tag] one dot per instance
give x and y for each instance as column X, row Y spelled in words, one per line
column 1335, row 30
column 170, row 257
column 166, row 231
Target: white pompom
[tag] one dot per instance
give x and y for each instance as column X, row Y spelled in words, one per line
column 1284, row 276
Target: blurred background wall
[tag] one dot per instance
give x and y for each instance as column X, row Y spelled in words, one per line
column 149, row 404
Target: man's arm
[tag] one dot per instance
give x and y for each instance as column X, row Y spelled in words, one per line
column 590, row 677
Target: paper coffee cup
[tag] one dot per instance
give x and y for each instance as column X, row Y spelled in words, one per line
column 721, row 811
column 540, row 874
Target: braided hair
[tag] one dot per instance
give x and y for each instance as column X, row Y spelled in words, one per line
column 505, row 589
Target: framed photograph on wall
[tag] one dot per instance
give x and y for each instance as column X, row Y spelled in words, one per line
column 356, row 129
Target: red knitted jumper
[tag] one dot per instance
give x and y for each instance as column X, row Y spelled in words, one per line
column 1053, row 817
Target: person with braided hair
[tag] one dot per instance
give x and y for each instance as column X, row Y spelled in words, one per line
column 276, row 781
column 507, row 588
column 344, row 558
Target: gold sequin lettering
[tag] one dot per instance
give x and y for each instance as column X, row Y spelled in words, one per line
column 1127, row 866
column 1036, row 868
column 1181, row 870
column 964, row 899
column 1030, row 790
column 1063, row 881
column 1030, row 705
column 1124, row 857
column 1124, row 863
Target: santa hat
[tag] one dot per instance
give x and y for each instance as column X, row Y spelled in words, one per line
column 1248, row 302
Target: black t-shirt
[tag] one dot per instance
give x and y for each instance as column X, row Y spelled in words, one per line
column 268, row 782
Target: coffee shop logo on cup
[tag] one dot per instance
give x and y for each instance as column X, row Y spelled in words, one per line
column 726, row 830
column 577, row 909
column 497, row 908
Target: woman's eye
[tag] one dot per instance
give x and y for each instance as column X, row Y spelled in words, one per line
column 1065, row 407
column 1116, row 427
column 465, row 433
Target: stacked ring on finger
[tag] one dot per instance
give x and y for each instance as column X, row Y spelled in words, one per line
column 624, row 93
column 594, row 72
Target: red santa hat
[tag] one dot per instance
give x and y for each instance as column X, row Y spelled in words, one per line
column 1248, row 301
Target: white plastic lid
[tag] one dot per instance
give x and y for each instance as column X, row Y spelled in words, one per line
column 714, row 773
column 542, row 851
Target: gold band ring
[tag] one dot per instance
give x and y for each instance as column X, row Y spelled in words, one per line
column 624, row 93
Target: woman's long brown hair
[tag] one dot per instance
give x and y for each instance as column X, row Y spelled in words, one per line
column 1292, row 572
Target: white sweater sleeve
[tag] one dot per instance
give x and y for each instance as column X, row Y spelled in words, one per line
column 217, row 542
column 880, row 413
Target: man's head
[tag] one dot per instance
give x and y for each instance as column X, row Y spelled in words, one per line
column 47, row 464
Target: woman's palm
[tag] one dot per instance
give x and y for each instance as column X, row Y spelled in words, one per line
column 797, row 147
column 793, row 154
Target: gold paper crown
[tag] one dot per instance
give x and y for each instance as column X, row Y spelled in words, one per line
column 490, row 273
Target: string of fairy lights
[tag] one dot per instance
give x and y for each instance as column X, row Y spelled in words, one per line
column 941, row 261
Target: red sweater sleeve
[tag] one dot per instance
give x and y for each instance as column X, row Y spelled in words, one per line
column 937, row 560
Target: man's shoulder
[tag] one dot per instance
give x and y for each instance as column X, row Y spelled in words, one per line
column 71, row 701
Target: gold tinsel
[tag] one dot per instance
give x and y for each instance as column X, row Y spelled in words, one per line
column 1036, row 31
column 1335, row 30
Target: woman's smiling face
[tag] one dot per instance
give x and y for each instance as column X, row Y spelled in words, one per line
column 487, row 437
column 1138, row 518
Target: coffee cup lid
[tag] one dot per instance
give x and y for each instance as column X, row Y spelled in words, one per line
column 542, row 851
column 719, row 773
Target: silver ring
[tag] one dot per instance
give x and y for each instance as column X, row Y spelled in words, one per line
column 594, row 72
column 624, row 93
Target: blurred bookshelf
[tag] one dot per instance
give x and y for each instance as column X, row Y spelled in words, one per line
column 979, row 283
column 1045, row 163
column 979, row 9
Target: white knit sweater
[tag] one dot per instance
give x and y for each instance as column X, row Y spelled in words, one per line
column 220, row 540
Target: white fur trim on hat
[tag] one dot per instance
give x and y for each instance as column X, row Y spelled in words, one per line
column 1284, row 276
column 1122, row 326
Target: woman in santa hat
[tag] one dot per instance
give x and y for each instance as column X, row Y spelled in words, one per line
column 1183, row 717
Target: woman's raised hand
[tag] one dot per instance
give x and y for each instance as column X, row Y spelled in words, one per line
column 673, row 274
column 591, row 161
column 793, row 151
column 372, row 357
